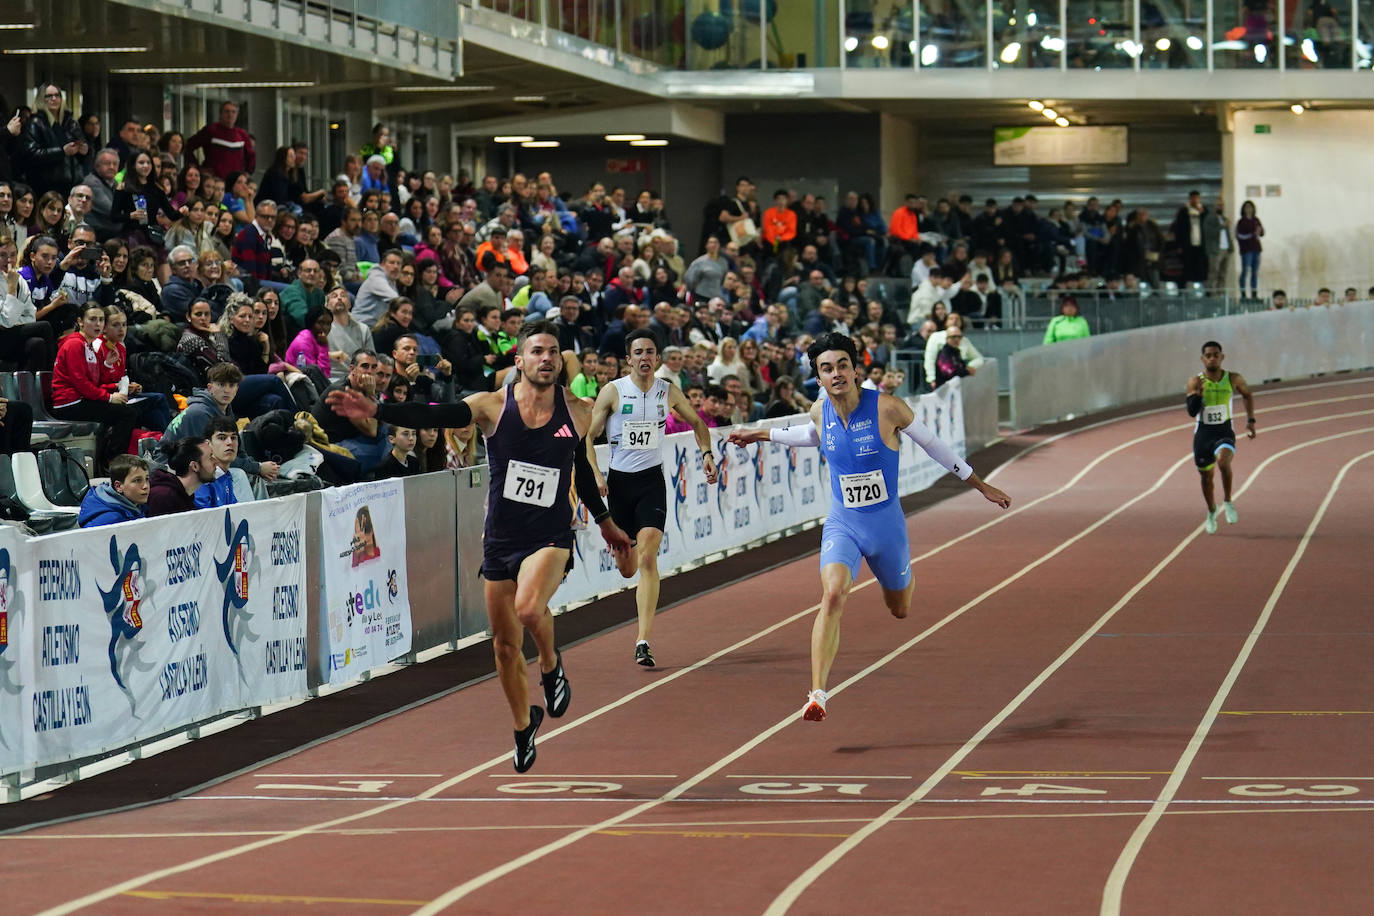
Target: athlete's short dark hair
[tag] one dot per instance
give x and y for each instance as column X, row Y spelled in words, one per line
column 833, row 340
column 1210, row 343
column 530, row 329
column 640, row 334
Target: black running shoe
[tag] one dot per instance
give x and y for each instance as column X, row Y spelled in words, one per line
column 557, row 693
column 524, row 741
column 644, row 655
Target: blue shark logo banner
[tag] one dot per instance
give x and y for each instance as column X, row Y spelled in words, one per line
column 113, row 635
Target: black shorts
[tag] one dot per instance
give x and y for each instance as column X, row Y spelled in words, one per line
column 638, row 499
column 1210, row 439
column 501, row 560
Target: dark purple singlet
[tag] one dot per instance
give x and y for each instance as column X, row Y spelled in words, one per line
column 528, row 504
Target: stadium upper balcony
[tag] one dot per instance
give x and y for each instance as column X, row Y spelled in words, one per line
column 417, row 36
column 875, row 49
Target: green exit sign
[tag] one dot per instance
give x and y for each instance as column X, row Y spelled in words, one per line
column 1263, row 129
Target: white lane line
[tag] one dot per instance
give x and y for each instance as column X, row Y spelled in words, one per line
column 1158, row 410
column 803, row 881
column 818, row 777
column 1116, row 881
column 191, row 865
column 539, row 777
column 1288, row 778
column 457, row 893
column 347, row 775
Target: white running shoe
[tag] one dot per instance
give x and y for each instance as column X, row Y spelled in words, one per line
column 814, row 711
column 1211, row 524
column 1230, row 512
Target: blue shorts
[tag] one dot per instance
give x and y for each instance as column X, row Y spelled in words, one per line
column 878, row 537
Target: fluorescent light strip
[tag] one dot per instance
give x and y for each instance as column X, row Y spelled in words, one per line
column 443, row 89
column 131, row 70
column 75, row 50
column 540, row 144
column 648, row 142
column 16, row 26
column 513, row 138
column 623, row 138
column 528, row 98
column 276, row 85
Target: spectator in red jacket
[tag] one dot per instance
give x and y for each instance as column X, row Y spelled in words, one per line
column 227, row 148
column 77, row 392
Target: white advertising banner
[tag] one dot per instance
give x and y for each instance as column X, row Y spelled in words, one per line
column 121, row 633
column 17, row 749
column 762, row 488
column 367, row 621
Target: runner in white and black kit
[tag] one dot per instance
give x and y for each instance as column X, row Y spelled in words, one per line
column 535, row 433
column 634, row 411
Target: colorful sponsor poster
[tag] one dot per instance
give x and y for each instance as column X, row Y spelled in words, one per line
column 130, row 631
column 762, row 489
column 367, row 621
column 17, row 748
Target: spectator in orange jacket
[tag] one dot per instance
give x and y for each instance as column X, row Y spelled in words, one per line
column 779, row 222
column 904, row 230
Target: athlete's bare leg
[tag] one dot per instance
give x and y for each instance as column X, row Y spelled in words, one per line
column 825, row 633
column 512, row 608
column 1207, row 488
column 647, row 542
column 1224, row 464
column 899, row 602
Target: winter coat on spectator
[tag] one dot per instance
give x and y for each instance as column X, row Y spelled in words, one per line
column 202, row 351
column 252, row 253
column 49, row 168
column 948, row 364
column 178, row 295
column 967, row 352
column 304, row 345
column 225, row 490
column 76, row 373
column 349, row 338
column 297, row 300
column 200, row 410
column 227, row 149
column 467, row 355
column 1065, row 327
column 167, row 496
column 101, row 217
column 102, row 505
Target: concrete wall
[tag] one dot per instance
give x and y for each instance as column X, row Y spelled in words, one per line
column 1319, row 226
column 1096, row 373
column 900, row 169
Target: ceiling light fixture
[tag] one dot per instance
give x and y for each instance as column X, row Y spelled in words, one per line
column 648, row 142
column 15, row 26
column 879, row 41
column 623, row 138
column 128, row 50
column 528, row 98
column 443, row 89
column 1035, row 106
column 1062, row 121
column 1050, row 113
column 540, row 144
column 1296, row 108
column 1194, row 43
column 512, row 138
column 134, row 70
column 279, row 84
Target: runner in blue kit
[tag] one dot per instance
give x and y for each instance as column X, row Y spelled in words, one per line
column 535, row 433
column 858, row 430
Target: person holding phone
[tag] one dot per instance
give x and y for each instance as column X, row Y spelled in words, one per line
column 38, row 268
column 140, row 209
column 23, row 338
column 54, row 146
column 414, row 368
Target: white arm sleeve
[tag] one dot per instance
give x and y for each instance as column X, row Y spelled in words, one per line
column 936, row 448
column 802, row 435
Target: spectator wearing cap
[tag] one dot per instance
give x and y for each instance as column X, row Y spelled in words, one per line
column 54, row 147
column 227, row 148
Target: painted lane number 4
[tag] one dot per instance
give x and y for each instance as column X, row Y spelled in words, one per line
column 1029, row 789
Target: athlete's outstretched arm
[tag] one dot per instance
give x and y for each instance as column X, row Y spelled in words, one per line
column 801, row 435
column 678, row 401
column 1248, row 396
column 1194, row 395
column 940, row 452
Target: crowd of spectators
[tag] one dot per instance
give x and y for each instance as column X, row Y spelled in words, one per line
column 174, row 288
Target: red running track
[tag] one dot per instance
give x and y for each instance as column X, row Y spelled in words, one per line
column 1094, row 708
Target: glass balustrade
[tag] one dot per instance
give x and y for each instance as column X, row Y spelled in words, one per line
column 986, row 34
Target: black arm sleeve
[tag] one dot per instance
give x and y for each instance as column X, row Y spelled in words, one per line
column 417, row 416
column 585, row 479
column 1194, row 405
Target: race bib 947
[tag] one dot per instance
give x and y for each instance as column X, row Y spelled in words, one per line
column 639, row 434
